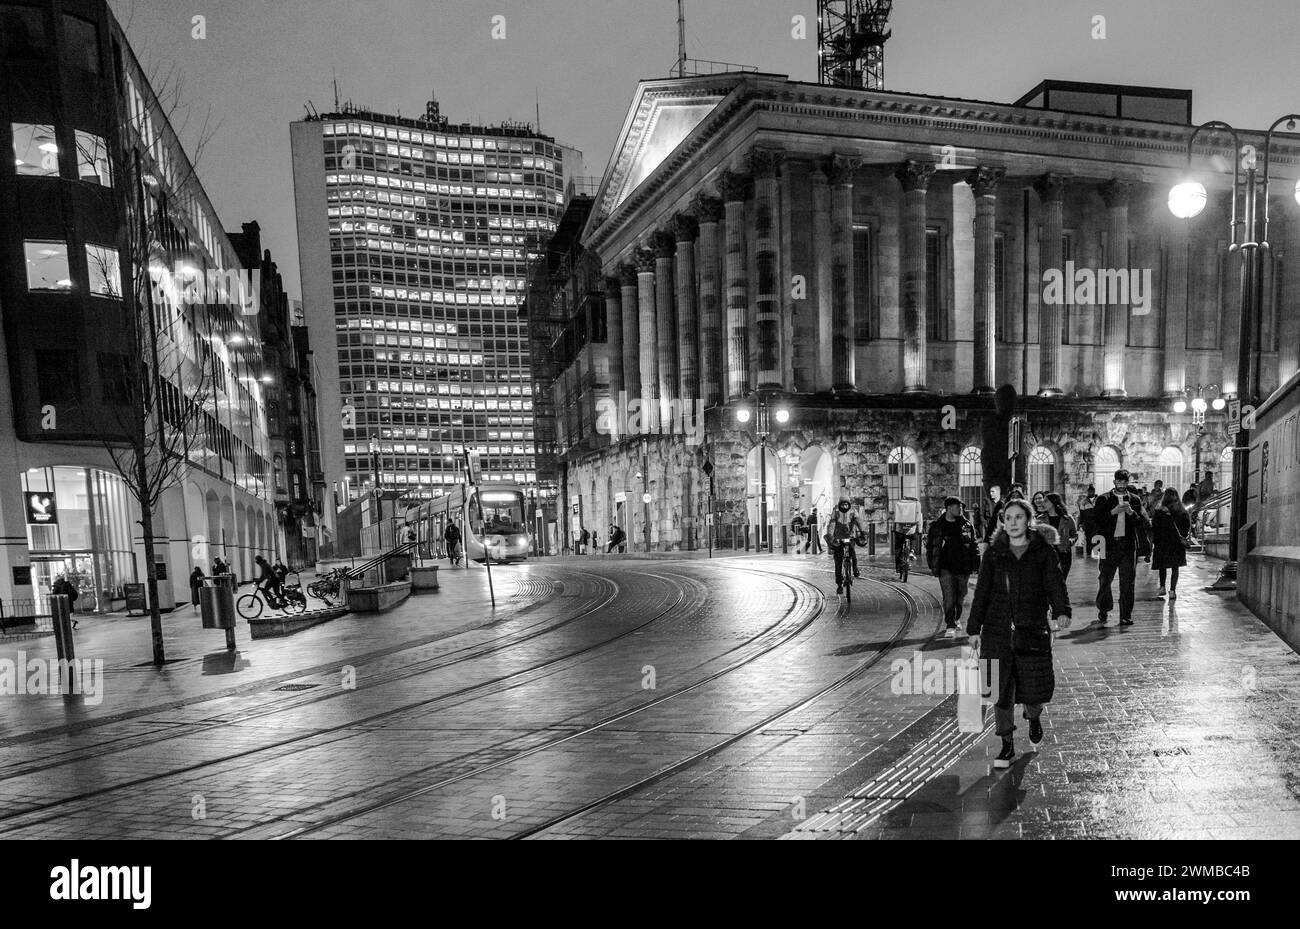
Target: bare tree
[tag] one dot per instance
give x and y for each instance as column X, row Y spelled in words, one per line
column 162, row 390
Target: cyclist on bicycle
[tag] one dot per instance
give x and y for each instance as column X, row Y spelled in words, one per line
column 843, row 529
column 269, row 582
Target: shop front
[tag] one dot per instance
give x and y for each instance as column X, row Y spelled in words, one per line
column 79, row 527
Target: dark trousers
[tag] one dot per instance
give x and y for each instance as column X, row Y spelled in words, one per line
column 844, row 554
column 1173, row 578
column 954, row 595
column 1066, row 558
column 1121, row 556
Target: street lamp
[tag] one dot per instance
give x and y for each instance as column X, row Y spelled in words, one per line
column 1199, row 405
column 761, row 415
column 1186, row 200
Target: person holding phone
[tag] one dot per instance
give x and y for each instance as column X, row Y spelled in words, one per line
column 1121, row 521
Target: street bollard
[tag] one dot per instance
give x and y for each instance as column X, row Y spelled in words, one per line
column 61, row 612
column 785, row 540
column 871, row 539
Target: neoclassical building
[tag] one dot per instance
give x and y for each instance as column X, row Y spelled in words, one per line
column 878, row 264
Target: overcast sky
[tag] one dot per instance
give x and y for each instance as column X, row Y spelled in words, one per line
column 263, row 60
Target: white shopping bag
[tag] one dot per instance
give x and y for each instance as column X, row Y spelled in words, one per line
column 970, row 693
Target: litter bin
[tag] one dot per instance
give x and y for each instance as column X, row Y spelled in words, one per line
column 217, row 607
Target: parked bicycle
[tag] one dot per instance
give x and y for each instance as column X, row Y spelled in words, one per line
column 328, row 586
column 904, row 554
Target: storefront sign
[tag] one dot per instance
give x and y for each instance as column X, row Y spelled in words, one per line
column 160, row 570
column 22, row 575
column 41, row 510
column 620, row 497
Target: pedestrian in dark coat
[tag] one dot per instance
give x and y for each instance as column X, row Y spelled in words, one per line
column 1020, row 581
column 196, row 581
column 1170, row 526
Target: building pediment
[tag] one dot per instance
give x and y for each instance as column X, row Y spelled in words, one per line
column 662, row 115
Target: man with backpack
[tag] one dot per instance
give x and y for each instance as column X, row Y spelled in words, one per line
column 451, row 535
column 844, row 528
column 797, row 534
column 952, row 552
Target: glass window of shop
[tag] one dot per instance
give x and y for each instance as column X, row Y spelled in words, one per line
column 79, row 526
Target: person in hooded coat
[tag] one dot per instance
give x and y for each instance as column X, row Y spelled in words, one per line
column 1020, row 580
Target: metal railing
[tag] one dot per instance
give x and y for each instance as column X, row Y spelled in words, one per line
column 698, row 67
column 19, row 618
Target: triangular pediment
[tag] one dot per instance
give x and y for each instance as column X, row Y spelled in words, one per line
column 662, row 116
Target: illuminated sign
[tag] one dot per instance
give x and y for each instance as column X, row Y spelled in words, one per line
column 499, row 498
column 41, row 510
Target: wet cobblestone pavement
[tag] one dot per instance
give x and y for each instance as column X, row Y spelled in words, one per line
column 732, row 698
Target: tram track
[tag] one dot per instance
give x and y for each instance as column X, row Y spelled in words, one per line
column 348, row 729
column 424, row 790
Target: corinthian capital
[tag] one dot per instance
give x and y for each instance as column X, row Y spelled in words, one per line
column 1117, row 193
column 664, row 243
column 1051, row 187
column 684, row 227
column 839, row 169
column 627, row 274
column 986, row 181
column 914, row 175
column 763, row 162
column 707, row 209
column 734, row 187
column 645, row 260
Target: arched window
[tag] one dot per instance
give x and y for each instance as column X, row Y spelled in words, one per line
column 1042, row 470
column 970, row 477
column 1171, row 469
column 1105, row 463
column 279, row 474
column 1224, row 477
column 902, row 474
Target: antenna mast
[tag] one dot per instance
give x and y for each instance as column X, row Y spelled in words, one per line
column 851, row 37
column 681, row 38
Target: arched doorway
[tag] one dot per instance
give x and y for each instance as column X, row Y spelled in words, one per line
column 816, row 483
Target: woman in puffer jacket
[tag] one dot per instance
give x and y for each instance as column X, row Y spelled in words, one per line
column 1020, row 580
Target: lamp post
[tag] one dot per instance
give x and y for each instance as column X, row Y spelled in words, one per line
column 1198, row 406
column 645, row 490
column 1186, row 200
column 761, row 415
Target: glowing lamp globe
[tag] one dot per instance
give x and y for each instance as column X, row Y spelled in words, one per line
column 783, row 416
column 1219, row 403
column 1187, row 199
column 1297, row 191
column 742, row 415
column 1180, row 406
column 1199, row 405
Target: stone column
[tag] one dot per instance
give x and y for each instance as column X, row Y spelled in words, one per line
column 915, row 178
column 984, row 183
column 614, row 335
column 1176, row 287
column 1288, row 359
column 649, row 360
column 763, row 164
column 734, row 188
column 664, row 244
column 708, row 212
column 839, row 171
column 627, row 276
column 1117, row 194
column 821, row 196
column 1051, row 193
column 685, row 230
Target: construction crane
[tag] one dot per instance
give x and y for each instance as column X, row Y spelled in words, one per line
column 851, row 37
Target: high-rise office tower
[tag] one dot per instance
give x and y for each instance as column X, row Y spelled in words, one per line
column 415, row 238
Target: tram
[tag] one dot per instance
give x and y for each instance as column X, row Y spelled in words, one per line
column 490, row 517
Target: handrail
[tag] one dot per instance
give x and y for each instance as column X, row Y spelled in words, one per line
column 404, row 548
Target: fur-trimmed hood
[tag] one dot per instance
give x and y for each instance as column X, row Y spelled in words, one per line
column 1044, row 531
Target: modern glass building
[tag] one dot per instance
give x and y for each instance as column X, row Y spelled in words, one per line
column 415, row 238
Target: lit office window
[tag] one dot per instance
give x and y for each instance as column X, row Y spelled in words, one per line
column 92, row 159
column 36, row 154
column 105, row 271
column 47, row 266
